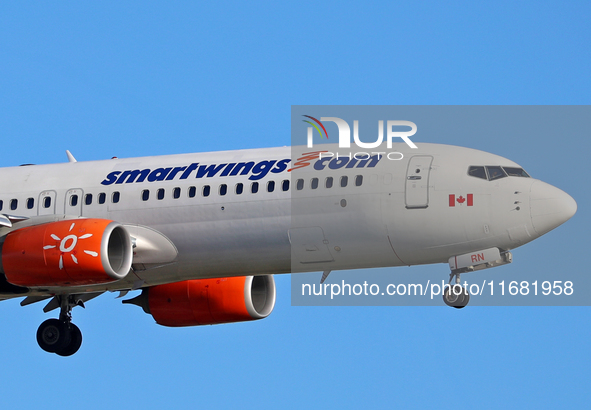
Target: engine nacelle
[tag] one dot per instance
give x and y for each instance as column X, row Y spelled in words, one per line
column 67, row 253
column 209, row 301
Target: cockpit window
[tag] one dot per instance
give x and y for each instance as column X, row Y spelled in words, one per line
column 495, row 173
column 516, row 172
column 477, row 172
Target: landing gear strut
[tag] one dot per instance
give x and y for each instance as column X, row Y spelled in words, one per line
column 61, row 336
column 455, row 295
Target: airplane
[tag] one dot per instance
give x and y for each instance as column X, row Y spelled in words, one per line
column 201, row 235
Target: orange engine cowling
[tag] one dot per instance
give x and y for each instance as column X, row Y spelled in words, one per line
column 209, row 301
column 67, row 253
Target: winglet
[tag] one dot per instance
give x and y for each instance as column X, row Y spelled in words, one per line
column 70, row 156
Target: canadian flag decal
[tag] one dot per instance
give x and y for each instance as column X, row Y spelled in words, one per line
column 468, row 200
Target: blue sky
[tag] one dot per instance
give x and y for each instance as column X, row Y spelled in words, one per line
column 146, row 78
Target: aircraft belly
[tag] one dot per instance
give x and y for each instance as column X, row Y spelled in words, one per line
column 338, row 232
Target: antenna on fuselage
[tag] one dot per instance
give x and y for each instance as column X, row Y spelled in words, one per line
column 70, row 156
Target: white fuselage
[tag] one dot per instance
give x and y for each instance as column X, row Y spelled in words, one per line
column 422, row 209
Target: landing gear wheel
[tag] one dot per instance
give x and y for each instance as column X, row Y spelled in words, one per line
column 456, row 299
column 53, row 335
column 463, row 302
column 75, row 342
column 61, row 336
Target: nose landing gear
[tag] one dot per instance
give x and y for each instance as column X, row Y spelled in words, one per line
column 61, row 336
column 456, row 295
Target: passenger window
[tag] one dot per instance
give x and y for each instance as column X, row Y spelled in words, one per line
column 160, row 194
column 516, row 172
column 285, row 185
column 344, row 181
column 328, row 182
column 88, row 199
column 145, row 194
column 254, row 188
column 495, row 173
column 47, row 202
column 192, row 192
column 30, row 203
column 239, row 188
column 74, row 200
column 223, row 189
column 358, row 180
column 300, row 184
column 13, row 204
column 101, row 199
column 477, row 172
column 176, row 193
column 271, row 186
column 116, row 197
column 206, row 190
column 314, row 183
column 1, row 204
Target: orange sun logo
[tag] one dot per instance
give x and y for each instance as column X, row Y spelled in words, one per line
column 67, row 245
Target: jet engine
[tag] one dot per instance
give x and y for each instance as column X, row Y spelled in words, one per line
column 67, row 253
column 209, row 301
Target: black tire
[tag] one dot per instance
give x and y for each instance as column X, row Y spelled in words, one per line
column 53, row 335
column 463, row 301
column 75, row 342
column 456, row 301
column 450, row 298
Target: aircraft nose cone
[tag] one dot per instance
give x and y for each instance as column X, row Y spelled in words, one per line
column 549, row 207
